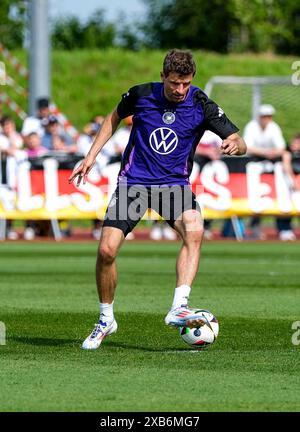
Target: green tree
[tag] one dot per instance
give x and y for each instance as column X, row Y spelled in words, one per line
column 12, row 23
column 253, row 25
column 97, row 33
column 286, row 34
column 69, row 33
column 193, row 24
column 224, row 25
column 129, row 35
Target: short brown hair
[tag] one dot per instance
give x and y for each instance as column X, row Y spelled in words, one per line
column 179, row 61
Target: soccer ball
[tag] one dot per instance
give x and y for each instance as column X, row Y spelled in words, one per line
column 203, row 336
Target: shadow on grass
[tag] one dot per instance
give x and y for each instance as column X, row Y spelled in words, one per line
column 55, row 342
column 151, row 349
column 40, row 341
column 140, row 332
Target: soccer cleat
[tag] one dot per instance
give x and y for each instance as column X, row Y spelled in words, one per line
column 101, row 330
column 185, row 317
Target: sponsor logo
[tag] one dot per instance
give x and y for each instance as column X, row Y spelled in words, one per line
column 163, row 140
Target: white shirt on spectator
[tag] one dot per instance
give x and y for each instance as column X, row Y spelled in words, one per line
column 269, row 138
column 12, row 162
column 6, row 144
column 32, row 124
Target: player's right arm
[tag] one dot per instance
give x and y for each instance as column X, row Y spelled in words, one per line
column 109, row 126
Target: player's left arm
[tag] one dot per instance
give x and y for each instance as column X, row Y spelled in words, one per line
column 216, row 120
column 233, row 145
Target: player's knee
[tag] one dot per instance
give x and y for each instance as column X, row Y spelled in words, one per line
column 197, row 237
column 193, row 238
column 106, row 253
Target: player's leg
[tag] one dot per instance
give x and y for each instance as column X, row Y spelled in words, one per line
column 190, row 228
column 106, row 277
column 185, row 217
column 120, row 219
column 106, row 270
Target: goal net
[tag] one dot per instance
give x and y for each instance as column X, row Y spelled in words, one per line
column 240, row 98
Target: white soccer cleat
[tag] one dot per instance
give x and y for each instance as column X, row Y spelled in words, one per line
column 101, row 330
column 185, row 317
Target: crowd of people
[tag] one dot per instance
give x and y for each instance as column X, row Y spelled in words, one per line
column 42, row 134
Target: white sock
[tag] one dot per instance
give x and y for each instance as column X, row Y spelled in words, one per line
column 181, row 296
column 106, row 312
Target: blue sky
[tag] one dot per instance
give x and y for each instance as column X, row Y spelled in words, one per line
column 84, row 8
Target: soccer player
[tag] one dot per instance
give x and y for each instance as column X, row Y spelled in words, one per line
column 169, row 118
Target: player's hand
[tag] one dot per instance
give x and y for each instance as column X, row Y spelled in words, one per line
column 229, row 147
column 81, row 172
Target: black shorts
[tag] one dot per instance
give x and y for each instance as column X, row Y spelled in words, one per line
column 128, row 204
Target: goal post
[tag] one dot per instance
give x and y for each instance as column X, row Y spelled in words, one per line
column 240, row 98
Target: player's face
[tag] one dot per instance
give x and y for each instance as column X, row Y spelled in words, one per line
column 176, row 86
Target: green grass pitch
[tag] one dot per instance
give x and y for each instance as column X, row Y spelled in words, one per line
column 49, row 305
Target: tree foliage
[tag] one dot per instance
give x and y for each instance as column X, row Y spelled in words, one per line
column 214, row 25
column 12, row 23
column 224, row 25
column 185, row 23
column 69, row 33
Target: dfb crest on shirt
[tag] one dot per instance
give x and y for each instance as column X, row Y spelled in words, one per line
column 168, row 117
column 163, row 140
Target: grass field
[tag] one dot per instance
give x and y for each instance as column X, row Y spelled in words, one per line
column 49, row 304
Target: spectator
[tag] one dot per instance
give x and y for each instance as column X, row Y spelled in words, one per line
column 11, row 153
column 34, row 147
column 284, row 224
column 35, row 123
column 264, row 140
column 57, row 141
column 86, row 139
column 54, row 140
column 264, row 136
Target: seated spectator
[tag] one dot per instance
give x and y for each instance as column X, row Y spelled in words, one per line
column 57, row 141
column 35, row 123
column 11, row 153
column 33, row 145
column 54, row 140
column 33, row 148
column 11, row 140
column 284, row 224
column 264, row 137
column 264, row 140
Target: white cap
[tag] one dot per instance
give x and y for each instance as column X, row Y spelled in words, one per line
column 266, row 110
